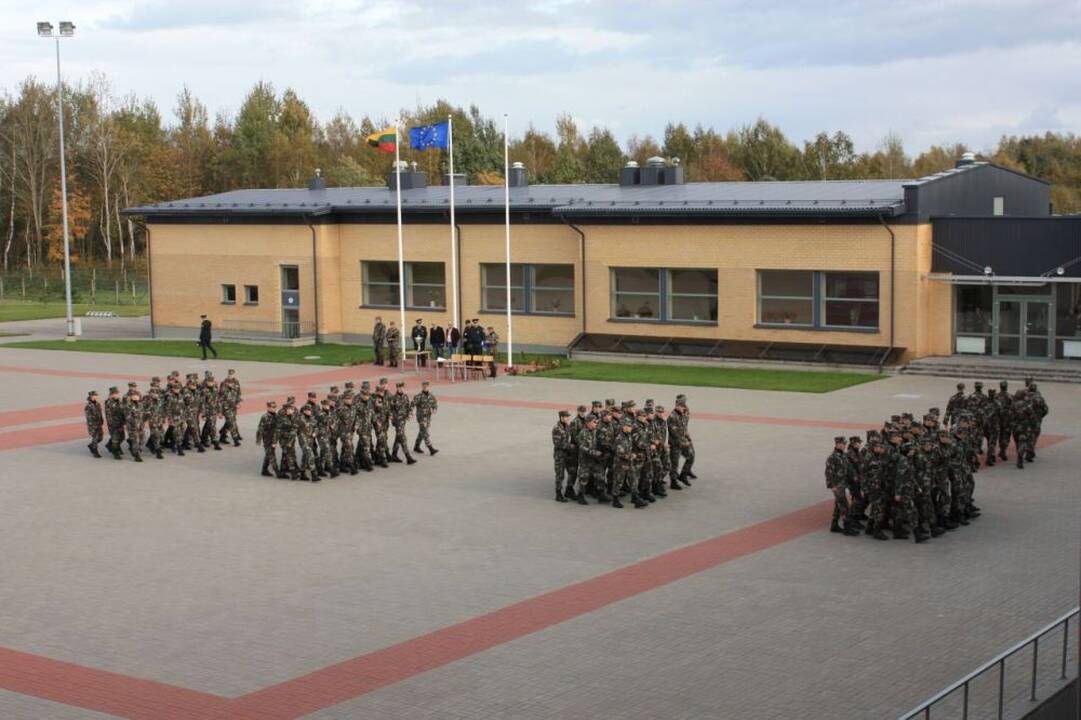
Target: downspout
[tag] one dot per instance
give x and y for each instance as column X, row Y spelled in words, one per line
column 893, row 266
column 315, row 276
column 150, row 284
column 458, row 280
column 582, row 253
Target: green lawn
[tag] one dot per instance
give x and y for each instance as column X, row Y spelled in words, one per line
column 745, row 378
column 321, row 354
column 40, row 311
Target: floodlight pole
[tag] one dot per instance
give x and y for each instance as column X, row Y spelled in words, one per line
column 63, row 184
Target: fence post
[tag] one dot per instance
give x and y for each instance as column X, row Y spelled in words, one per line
column 94, row 285
column 117, row 283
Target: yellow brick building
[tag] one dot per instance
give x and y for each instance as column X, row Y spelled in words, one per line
column 828, row 271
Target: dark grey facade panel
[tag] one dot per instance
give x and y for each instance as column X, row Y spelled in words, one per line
column 972, row 190
column 1027, row 247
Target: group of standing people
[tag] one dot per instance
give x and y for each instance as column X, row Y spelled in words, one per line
column 608, row 451
column 918, row 476
column 345, row 431
column 444, row 342
column 178, row 416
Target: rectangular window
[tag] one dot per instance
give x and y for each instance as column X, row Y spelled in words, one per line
column 692, row 295
column 850, row 300
column 636, row 293
column 425, row 285
column 551, row 289
column 809, row 299
column 998, row 206
column 251, row 294
column 228, row 294
column 786, row 297
column 493, row 287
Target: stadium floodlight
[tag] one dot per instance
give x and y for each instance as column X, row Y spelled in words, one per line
column 45, row 29
column 67, row 28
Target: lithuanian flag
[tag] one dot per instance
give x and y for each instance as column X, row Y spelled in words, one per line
column 383, row 140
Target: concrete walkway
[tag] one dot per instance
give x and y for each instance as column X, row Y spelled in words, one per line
column 118, row 328
column 456, row 588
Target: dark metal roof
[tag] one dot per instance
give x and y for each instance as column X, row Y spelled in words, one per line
column 724, row 198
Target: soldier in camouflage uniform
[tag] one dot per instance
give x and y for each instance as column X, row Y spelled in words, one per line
column 925, row 506
column 312, row 403
column 954, row 404
column 176, row 416
column 956, row 458
column 365, row 420
column 211, row 408
column 401, row 407
column 285, row 435
column 95, row 420
column 424, row 406
column 658, row 428
column 576, row 424
column 133, row 424
column 974, row 404
column 394, row 342
column 680, row 444
column 989, row 422
column 1022, row 424
column 904, row 490
column 154, row 410
column 590, row 468
column 643, row 455
column 1003, row 401
column 837, row 474
column 114, row 420
column 265, row 435
column 873, row 481
column 1039, row 411
column 229, row 396
column 380, row 427
column 623, row 479
column 940, row 480
column 561, row 445
column 306, row 439
column 854, row 454
column 192, row 410
column 347, row 424
column 605, row 439
column 326, row 436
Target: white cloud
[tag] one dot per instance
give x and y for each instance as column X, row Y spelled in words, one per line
column 934, row 72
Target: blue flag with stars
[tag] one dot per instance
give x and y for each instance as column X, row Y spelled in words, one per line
column 429, row 136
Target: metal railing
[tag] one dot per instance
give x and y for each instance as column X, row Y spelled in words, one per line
column 923, row 710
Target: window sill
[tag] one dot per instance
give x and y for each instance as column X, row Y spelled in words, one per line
column 658, row 321
column 819, row 328
column 228, row 302
column 419, row 308
column 251, row 304
column 527, row 314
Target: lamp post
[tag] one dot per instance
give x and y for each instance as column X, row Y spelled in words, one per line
column 66, row 29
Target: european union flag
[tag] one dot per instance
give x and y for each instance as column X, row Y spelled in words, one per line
column 429, row 136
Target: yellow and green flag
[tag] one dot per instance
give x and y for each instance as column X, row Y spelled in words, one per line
column 383, row 140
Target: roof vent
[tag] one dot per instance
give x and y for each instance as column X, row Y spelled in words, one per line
column 968, row 158
column 318, row 182
column 629, row 174
column 412, row 179
column 459, row 179
column 519, row 175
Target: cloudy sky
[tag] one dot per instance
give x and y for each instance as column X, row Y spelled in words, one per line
column 934, row 71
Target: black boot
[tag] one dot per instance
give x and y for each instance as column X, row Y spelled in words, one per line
column 94, row 450
column 616, row 503
column 570, row 494
column 559, row 496
column 850, row 531
column 879, row 535
column 1020, row 463
column 136, row 457
column 432, row 451
column 691, row 475
column 217, row 445
column 921, row 537
column 416, row 447
column 673, row 484
column 658, row 488
column 410, row 460
column 937, row 531
column 580, row 498
column 638, row 502
column 180, row 450
column 201, row 448
column 236, row 441
column 683, row 478
column 266, row 469
column 394, row 456
column 158, row 455
column 836, row 527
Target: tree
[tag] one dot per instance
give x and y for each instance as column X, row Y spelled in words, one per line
column 31, row 129
column 254, row 134
column 193, row 144
column 938, row 158
column 538, row 152
column 829, row 157
column 568, row 167
column 603, row 157
column 764, row 153
column 79, row 216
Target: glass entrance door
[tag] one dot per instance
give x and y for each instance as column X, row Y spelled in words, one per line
column 1037, row 329
column 1023, row 329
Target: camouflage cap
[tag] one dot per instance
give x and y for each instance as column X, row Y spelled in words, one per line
column 425, row 383
column 382, row 381
column 960, row 386
column 132, row 384
column 978, row 384
column 839, row 440
column 895, row 418
column 291, row 399
column 681, row 397
column 289, row 408
column 906, row 416
column 596, row 403
column 1028, row 379
column 313, row 395
column 365, row 384
column 208, row 374
column 271, row 404
column 659, row 408
column 400, row 383
column 306, row 408
column 582, row 408
column 325, row 401
column 349, row 384
column 855, row 440
column 92, row 393
column 626, row 404
column 113, row 390
column 155, row 379
column 1003, row 384
column 648, row 402
column 944, row 433
column 334, row 389
column 231, row 371
column 1032, row 385
column 609, row 402
column 935, row 411
column 908, row 447
column 564, row 413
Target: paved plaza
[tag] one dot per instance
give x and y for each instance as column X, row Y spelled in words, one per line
column 192, row 588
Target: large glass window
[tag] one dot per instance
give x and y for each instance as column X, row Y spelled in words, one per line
column 552, row 289
column 850, row 300
column 493, row 280
column 692, row 295
column 542, row 289
column 636, row 293
column 973, row 310
column 817, row 299
column 786, row 297
column 424, row 285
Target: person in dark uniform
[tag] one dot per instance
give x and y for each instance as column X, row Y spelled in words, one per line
column 419, row 336
column 205, row 337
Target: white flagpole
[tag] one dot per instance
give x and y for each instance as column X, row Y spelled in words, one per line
column 506, row 202
column 401, row 254
column 453, row 234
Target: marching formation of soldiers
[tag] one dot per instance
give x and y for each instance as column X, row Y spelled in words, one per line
column 344, row 432
column 919, row 476
column 176, row 416
column 609, row 451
